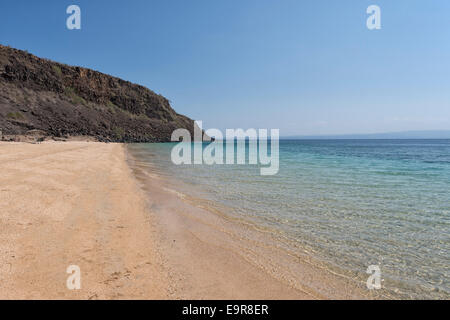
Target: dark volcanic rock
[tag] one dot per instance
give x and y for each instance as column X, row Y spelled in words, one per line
column 60, row 100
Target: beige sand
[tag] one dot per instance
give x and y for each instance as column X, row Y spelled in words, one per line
column 74, row 203
column 78, row 203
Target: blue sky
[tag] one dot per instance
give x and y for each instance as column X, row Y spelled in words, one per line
column 305, row 67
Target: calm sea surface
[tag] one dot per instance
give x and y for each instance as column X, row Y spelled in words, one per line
column 352, row 203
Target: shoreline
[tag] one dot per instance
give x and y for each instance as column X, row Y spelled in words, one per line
column 92, row 205
column 229, row 246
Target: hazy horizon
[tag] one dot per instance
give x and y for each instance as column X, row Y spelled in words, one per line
column 411, row 134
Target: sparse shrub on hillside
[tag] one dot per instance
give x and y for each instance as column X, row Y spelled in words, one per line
column 26, row 99
column 15, row 115
column 57, row 70
column 118, row 132
column 112, row 107
column 76, row 99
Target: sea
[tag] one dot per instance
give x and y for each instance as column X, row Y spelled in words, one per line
column 352, row 204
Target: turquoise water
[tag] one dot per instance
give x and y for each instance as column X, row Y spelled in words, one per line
column 353, row 203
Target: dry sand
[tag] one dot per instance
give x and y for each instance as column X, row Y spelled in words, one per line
column 74, row 203
column 79, row 203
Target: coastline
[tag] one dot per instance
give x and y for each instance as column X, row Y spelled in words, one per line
column 94, row 205
column 212, row 255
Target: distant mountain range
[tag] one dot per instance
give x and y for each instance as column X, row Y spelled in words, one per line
column 53, row 99
column 435, row 134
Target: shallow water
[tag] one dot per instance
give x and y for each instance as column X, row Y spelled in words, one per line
column 351, row 203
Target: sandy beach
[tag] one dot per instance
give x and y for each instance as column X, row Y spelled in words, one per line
column 74, row 203
column 80, row 203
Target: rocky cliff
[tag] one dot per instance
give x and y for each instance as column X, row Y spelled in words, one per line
column 54, row 99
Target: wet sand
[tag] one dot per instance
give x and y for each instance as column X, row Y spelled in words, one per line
column 210, row 254
column 93, row 205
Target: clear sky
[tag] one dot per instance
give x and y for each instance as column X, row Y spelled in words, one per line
column 305, row 67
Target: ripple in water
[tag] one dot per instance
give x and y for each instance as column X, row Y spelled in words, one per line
column 354, row 203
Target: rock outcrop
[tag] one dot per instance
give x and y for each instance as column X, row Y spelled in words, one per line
column 54, row 99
